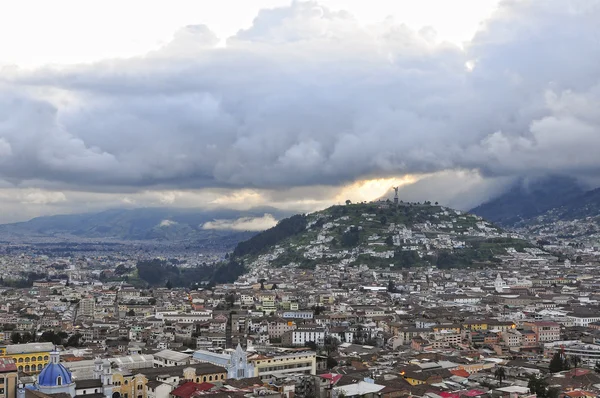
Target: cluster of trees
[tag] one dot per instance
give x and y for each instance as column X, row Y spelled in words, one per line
column 26, row 280
column 539, row 387
column 406, row 258
column 49, row 336
column 228, row 272
column 559, row 362
column 284, row 229
column 158, row 272
column 351, row 238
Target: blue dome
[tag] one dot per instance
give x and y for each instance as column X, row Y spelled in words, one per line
column 53, row 375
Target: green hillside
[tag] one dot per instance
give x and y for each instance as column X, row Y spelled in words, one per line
column 380, row 234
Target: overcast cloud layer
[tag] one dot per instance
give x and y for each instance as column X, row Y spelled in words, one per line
column 308, row 97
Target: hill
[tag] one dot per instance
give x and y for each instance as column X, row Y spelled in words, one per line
column 379, row 234
column 526, row 200
column 578, row 218
column 167, row 224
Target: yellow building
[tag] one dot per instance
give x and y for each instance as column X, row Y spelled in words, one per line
column 130, row 385
column 475, row 325
column 136, row 385
column 298, row 362
column 30, row 357
column 8, row 378
column 456, row 329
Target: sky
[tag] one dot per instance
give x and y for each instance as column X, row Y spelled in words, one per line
column 292, row 104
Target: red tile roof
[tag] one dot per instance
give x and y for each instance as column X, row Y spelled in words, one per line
column 188, row 389
column 7, row 365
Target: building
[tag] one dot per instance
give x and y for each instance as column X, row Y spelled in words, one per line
column 8, row 378
column 240, row 364
column 54, row 378
column 30, row 357
column 166, row 358
column 545, row 331
column 301, row 336
column 87, row 307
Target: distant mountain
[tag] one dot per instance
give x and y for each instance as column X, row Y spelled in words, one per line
column 169, row 224
column 377, row 235
column 578, row 219
column 528, row 199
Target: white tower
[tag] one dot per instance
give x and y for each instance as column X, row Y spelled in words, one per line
column 107, row 379
column 97, row 368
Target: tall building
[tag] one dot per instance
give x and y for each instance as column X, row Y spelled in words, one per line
column 87, row 306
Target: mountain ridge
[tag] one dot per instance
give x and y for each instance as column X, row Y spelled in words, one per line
column 149, row 223
column 528, row 199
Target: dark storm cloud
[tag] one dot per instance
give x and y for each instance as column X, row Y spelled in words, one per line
column 306, row 97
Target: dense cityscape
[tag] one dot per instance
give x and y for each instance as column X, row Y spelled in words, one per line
column 300, row 199
column 360, row 319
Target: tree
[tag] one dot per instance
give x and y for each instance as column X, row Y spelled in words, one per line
column 538, row 386
column 15, row 337
column 311, row 344
column 169, row 285
column 262, row 284
column 331, row 344
column 389, row 241
column 340, row 284
column 274, row 286
column 331, row 362
column 597, row 367
column 230, row 300
column 500, row 374
column 383, row 220
column 557, row 364
column 318, row 309
column 27, row 337
column 575, row 361
column 131, row 312
column 391, row 288
column 49, row 336
column 348, row 202
column 74, row 340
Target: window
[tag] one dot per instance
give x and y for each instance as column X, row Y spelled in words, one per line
column 27, row 368
column 20, row 360
column 20, row 368
column 59, row 381
column 45, row 357
column 40, row 358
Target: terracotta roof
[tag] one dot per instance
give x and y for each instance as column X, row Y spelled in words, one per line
column 7, row 365
column 186, row 390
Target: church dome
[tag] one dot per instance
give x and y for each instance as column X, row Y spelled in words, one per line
column 54, row 374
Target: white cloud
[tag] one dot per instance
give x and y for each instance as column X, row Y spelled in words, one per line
column 243, row 224
column 167, row 223
column 306, row 99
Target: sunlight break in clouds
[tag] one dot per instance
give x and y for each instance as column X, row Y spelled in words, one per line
column 307, row 99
